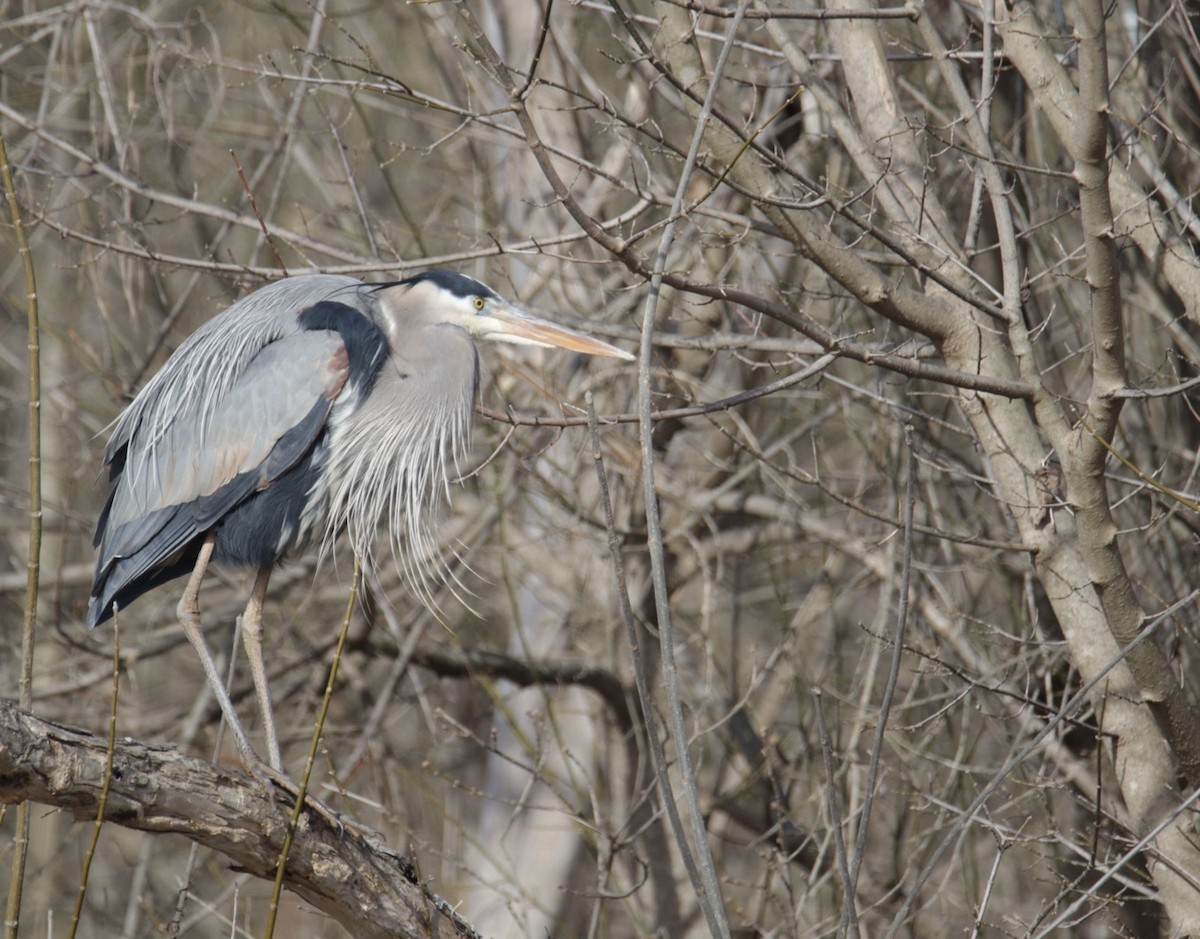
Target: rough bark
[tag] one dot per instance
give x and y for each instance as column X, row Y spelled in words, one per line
column 368, row 888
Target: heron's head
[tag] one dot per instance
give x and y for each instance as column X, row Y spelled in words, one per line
column 458, row 300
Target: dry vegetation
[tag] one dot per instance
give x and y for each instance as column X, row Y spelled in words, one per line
column 953, row 247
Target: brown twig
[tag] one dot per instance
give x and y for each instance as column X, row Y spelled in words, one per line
column 883, row 13
column 262, row 222
column 311, row 759
column 90, row 854
column 33, row 558
column 474, row 663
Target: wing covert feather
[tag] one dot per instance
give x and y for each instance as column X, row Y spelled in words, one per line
column 208, row 363
column 194, row 460
column 239, row 404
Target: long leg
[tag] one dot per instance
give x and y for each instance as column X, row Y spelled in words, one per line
column 188, row 612
column 252, row 633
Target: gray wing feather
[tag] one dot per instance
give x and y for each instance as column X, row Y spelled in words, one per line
column 217, row 411
column 193, row 460
column 151, row 541
column 210, row 361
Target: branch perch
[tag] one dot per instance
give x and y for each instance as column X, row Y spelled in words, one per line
column 368, row 888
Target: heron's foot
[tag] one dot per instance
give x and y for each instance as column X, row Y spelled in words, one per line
column 273, row 778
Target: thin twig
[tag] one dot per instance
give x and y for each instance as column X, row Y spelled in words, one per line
column 364, row 217
column 531, row 73
column 1169, row 391
column 990, row 883
column 883, row 13
column 108, row 772
column 1133, row 468
column 262, row 222
column 850, row 917
column 12, row 913
column 704, row 877
column 669, row 414
column 658, row 757
column 835, row 813
column 313, row 749
column 355, row 265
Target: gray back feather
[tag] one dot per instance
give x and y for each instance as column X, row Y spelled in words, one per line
column 216, row 354
column 186, row 435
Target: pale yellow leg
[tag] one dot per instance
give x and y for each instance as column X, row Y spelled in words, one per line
column 252, row 634
column 188, row 612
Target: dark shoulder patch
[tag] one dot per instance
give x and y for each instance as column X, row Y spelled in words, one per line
column 366, row 345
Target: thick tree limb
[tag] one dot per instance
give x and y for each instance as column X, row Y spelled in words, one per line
column 368, row 888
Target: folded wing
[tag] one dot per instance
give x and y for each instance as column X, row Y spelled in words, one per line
column 180, row 467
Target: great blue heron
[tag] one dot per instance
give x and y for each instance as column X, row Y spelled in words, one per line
column 310, row 407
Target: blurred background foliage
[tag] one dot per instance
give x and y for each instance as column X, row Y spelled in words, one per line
column 153, row 143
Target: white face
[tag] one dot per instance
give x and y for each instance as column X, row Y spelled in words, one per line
column 488, row 317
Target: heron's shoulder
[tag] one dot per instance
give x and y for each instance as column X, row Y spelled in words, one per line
column 280, row 302
column 238, row 333
column 211, row 360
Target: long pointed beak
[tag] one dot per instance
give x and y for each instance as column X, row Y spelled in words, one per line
column 507, row 323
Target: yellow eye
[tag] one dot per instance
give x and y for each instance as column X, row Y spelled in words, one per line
column 480, row 303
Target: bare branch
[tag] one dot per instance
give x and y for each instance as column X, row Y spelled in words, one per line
column 33, row 568
column 369, row 889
